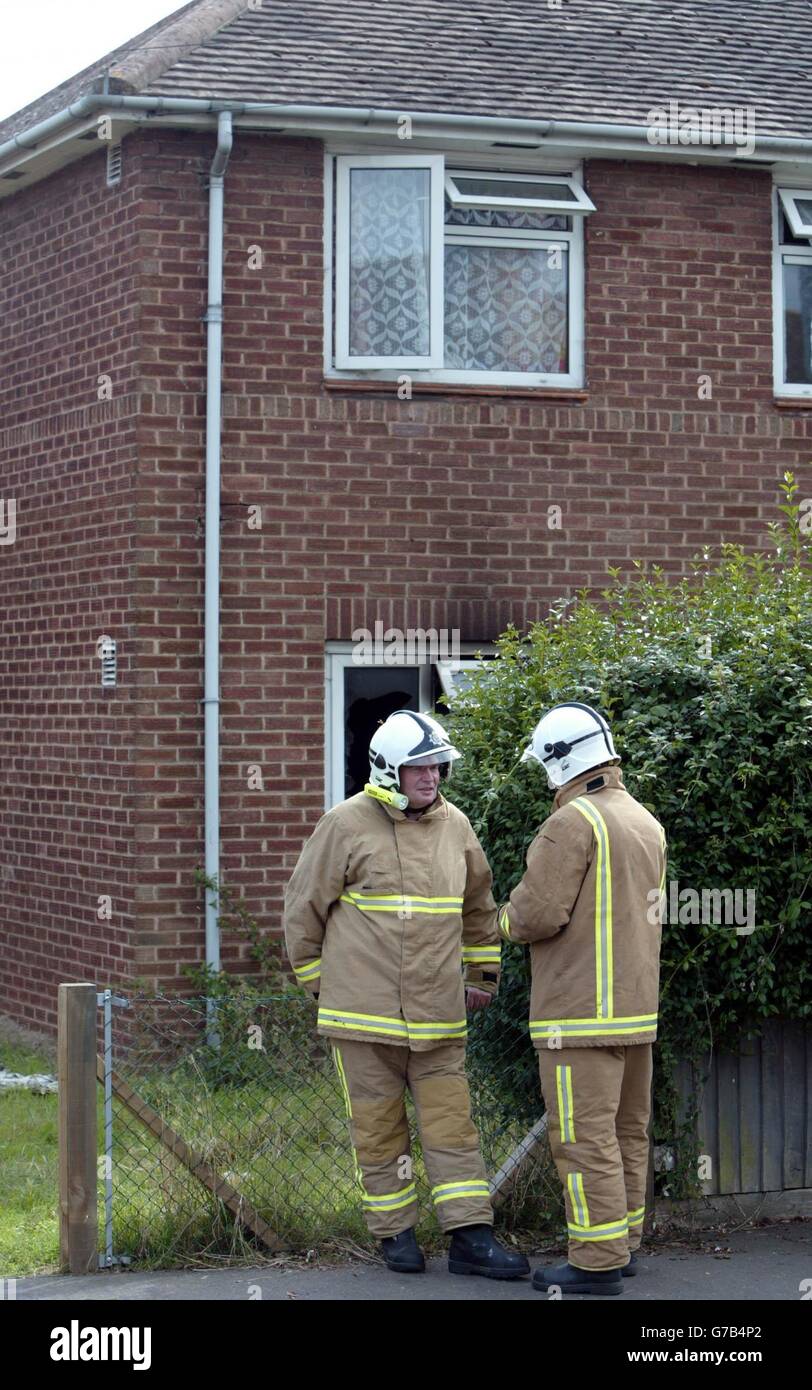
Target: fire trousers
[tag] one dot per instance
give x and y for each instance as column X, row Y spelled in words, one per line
column 598, row 1101
column 374, row 1078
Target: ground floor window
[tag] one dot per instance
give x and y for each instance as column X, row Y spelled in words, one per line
column 360, row 695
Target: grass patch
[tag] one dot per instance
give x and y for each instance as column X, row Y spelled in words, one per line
column 277, row 1133
column 29, row 1228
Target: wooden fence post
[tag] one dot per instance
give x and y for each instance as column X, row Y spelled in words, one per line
column 78, row 1212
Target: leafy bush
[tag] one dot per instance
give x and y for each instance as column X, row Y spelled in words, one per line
column 707, row 685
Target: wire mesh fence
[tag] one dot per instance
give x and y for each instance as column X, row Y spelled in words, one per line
column 230, row 1136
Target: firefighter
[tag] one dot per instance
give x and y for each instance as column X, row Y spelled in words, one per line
column 589, row 906
column 390, row 922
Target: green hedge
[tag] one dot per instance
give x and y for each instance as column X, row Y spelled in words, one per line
column 707, row 685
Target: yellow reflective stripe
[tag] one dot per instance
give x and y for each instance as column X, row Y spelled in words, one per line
column 359, row 1177
column 401, row 905
column 663, row 873
column 566, row 1115
column 578, row 1233
column 343, row 1080
column 435, row 1037
column 637, row 1216
column 599, row 1030
column 619, row 1018
column 463, row 1182
column 453, row 1191
column 456, row 1029
column 413, row 897
column 481, row 952
column 390, row 1201
column 591, row 1027
column 390, row 1206
column 360, row 1027
column 370, row 1018
column 389, row 1196
column 606, row 1228
column 389, row 1027
column 504, row 923
column 575, row 1186
column 308, row 972
column 441, row 1023
column 363, row 1023
column 604, row 973
column 403, row 898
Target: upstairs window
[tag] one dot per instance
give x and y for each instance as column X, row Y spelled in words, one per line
column 457, row 274
column 792, row 292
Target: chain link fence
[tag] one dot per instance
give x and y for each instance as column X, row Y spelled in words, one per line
column 230, row 1137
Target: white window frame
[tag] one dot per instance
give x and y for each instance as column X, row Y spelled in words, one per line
column 446, row 670
column 338, row 656
column 344, row 167
column 785, row 254
column 392, row 371
column 788, row 198
column 580, row 203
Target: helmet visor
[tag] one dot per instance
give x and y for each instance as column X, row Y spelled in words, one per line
column 443, row 755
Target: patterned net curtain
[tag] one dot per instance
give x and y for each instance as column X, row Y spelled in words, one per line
column 506, row 309
column 389, row 262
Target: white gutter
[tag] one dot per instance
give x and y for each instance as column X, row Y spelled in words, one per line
column 601, row 136
column 211, row 689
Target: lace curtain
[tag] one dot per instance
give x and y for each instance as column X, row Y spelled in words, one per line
column 389, row 262
column 505, row 309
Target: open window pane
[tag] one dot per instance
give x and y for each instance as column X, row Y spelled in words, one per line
column 798, row 322
column 483, row 190
column 389, row 262
column 456, row 678
column 788, row 237
column 797, row 205
column 506, row 308
column 389, row 266
column 512, row 219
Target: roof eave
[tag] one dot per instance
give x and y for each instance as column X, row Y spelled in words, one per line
column 579, row 138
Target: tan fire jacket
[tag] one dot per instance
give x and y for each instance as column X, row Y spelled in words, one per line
column 589, row 905
column 382, row 914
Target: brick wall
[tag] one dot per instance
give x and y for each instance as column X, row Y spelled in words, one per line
column 429, row 512
column 68, row 316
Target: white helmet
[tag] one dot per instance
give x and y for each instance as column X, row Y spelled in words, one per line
column 569, row 740
column 407, row 738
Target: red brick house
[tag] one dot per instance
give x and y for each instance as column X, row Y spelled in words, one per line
column 506, row 296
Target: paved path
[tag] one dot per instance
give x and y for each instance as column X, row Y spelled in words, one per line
column 749, row 1266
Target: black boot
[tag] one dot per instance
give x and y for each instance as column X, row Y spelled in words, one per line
column 474, row 1251
column 403, row 1254
column 628, row 1271
column 572, row 1280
